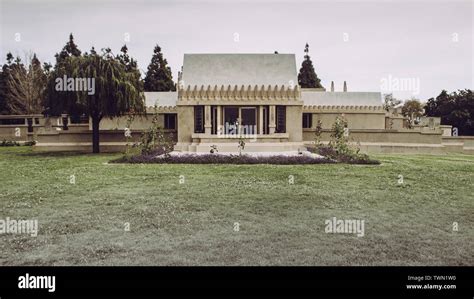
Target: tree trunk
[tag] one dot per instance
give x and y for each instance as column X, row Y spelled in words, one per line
column 95, row 135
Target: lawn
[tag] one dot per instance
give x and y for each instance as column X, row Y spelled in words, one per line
column 158, row 214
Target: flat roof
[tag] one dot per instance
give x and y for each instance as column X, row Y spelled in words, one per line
column 353, row 98
column 239, row 69
column 161, row 98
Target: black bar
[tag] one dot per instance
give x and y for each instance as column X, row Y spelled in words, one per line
column 244, row 282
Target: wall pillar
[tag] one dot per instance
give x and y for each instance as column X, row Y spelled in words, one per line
column 207, row 120
column 219, row 120
column 272, row 124
column 260, row 120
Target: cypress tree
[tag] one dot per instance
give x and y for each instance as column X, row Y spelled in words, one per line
column 159, row 76
column 307, row 77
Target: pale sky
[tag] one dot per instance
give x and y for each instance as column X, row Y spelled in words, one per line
column 428, row 44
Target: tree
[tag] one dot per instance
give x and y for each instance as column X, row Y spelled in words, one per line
column 443, row 105
column 412, row 109
column 24, row 86
column 390, row 102
column 3, row 84
column 70, row 49
column 159, row 76
column 116, row 91
column 125, row 59
column 456, row 109
column 307, row 77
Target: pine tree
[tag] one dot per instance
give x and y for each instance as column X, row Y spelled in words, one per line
column 158, row 76
column 307, row 77
column 70, row 49
column 3, row 84
column 125, row 59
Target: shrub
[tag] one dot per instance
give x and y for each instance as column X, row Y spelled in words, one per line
column 223, row 159
column 9, row 143
column 338, row 139
column 350, row 158
column 152, row 141
column 339, row 148
column 318, row 133
column 30, row 143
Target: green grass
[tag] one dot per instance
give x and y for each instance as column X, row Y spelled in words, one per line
column 193, row 223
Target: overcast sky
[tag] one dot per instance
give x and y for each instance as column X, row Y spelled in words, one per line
column 370, row 44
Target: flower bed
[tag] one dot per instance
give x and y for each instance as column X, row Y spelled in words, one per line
column 223, row 159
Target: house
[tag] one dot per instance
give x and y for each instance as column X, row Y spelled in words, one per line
column 223, row 98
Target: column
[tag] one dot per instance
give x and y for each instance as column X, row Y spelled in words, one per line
column 207, row 120
column 219, row 120
column 260, row 120
column 272, row 124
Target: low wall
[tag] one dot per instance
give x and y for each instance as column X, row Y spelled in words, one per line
column 401, row 141
column 17, row 133
column 381, row 136
column 370, row 141
column 466, row 143
column 110, row 140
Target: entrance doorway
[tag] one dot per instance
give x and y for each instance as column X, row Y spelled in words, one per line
column 249, row 120
column 236, row 118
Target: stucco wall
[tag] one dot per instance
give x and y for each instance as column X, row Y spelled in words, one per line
column 138, row 123
column 381, row 136
column 185, row 123
column 294, row 123
column 354, row 120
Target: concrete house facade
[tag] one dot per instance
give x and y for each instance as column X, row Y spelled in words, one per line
column 223, row 98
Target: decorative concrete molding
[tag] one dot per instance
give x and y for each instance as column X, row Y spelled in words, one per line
column 192, row 94
column 162, row 109
column 343, row 109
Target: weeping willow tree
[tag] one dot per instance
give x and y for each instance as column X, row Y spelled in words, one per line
column 97, row 85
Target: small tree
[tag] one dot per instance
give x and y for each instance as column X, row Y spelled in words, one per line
column 307, row 77
column 412, row 109
column 318, row 133
column 159, row 76
column 154, row 141
column 338, row 139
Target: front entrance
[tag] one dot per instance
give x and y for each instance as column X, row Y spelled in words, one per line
column 249, row 120
column 240, row 118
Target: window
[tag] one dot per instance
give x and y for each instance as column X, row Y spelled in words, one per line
column 29, row 122
column 231, row 119
column 307, row 120
column 12, row 121
column 198, row 119
column 266, row 122
column 280, row 119
column 214, row 120
column 170, row 121
column 79, row 119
